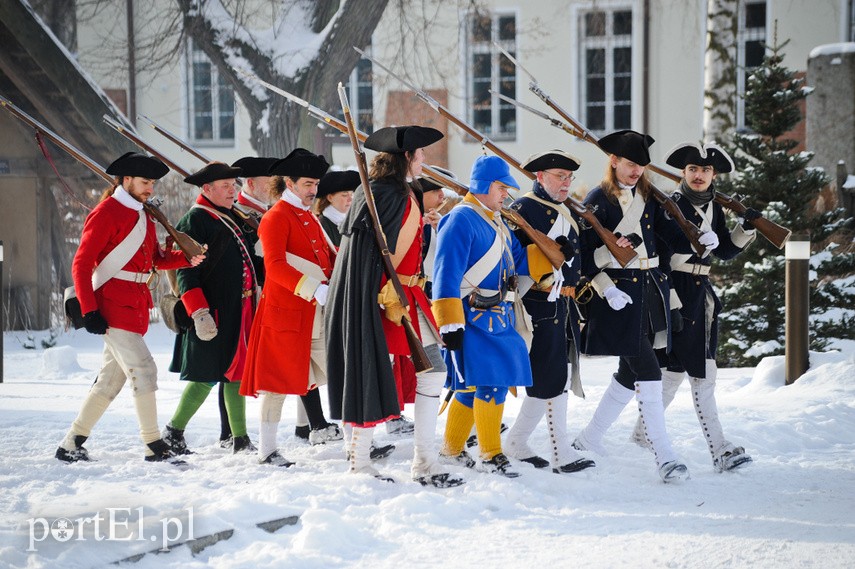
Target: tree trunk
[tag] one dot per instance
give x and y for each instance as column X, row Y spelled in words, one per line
column 720, row 65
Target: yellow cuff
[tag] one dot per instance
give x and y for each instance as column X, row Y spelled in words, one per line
column 538, row 264
column 306, row 287
column 448, row 311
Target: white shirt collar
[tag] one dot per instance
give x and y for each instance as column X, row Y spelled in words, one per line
column 251, row 199
column 123, row 197
column 334, row 215
column 291, row 198
column 624, row 186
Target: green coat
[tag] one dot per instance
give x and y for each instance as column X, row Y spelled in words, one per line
column 222, row 287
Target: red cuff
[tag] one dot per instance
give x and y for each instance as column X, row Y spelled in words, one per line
column 194, row 299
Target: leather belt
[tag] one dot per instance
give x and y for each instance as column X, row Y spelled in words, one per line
column 692, row 268
column 564, row 291
column 412, row 280
column 129, row 276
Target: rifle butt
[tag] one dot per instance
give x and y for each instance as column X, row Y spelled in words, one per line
column 420, row 358
column 776, row 234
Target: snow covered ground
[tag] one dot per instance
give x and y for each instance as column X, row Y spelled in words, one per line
column 794, row 507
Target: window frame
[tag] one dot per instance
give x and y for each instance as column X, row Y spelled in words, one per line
column 473, row 48
column 193, row 56
column 608, row 42
column 743, row 36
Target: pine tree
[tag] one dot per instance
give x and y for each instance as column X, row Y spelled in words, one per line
column 773, row 178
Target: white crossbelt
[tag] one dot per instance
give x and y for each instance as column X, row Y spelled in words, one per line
column 643, row 264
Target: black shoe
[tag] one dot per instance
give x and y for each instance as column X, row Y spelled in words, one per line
column 574, row 466
column 473, row 439
column 175, row 439
column 227, row 442
column 302, row 432
column 442, row 480
column 499, row 464
column 78, row 454
column 243, row 444
column 276, row 459
column 462, row 459
column 377, row 453
column 163, row 453
column 536, row 461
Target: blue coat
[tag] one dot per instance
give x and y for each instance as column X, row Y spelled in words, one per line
column 553, row 321
column 619, row 332
column 493, row 353
column 698, row 340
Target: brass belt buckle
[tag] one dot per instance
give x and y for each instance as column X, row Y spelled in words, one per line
column 644, row 264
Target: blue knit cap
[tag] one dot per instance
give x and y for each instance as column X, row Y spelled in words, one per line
column 489, row 169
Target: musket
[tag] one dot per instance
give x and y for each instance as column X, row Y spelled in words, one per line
column 776, row 234
column 187, row 244
column 420, row 359
column 245, row 217
column 340, row 126
column 624, row 255
column 174, row 139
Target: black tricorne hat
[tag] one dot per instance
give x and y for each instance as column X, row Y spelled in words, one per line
column 429, row 185
column 252, row 167
column 138, row 165
column 211, row 173
column 338, row 181
column 710, row 154
column 628, row 144
column 551, row 159
column 400, row 139
column 300, row 164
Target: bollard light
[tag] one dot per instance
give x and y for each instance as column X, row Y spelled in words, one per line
column 797, row 299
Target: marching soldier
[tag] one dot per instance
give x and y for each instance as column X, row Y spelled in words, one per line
column 553, row 314
column 298, row 262
column 362, row 339
column 629, row 315
column 335, row 195
column 695, row 337
column 117, row 253
column 220, row 298
column 477, row 263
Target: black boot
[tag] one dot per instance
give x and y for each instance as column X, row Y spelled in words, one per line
column 226, row 439
column 302, row 432
column 175, row 439
column 243, row 444
column 79, row 453
column 163, row 453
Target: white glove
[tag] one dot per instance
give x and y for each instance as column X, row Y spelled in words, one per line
column 206, row 328
column 321, row 294
column 709, row 240
column 617, row 298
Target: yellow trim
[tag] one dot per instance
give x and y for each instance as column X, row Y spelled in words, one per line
column 538, row 263
column 448, row 311
column 306, row 287
column 469, row 198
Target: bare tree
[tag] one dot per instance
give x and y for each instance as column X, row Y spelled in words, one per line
column 720, row 65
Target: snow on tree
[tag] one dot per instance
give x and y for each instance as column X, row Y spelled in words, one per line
column 773, row 178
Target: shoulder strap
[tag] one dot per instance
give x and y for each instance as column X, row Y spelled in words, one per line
column 121, row 254
column 560, row 207
column 236, row 232
column 482, row 267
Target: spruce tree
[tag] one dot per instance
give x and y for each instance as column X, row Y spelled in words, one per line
column 774, row 179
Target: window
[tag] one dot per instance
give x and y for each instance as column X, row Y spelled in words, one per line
column 851, row 20
column 606, row 69
column 360, row 95
column 211, row 102
column 750, row 50
column 488, row 69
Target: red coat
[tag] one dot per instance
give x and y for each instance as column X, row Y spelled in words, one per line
column 281, row 338
column 124, row 304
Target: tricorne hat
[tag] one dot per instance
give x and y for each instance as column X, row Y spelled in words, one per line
column 400, row 139
column 300, row 164
column 428, row 185
column 211, row 173
column 252, row 167
column 338, row 181
column 628, row 144
column 551, row 159
column 489, row 169
column 710, row 154
column 138, row 165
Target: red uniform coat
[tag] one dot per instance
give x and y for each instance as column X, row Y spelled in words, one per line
column 281, row 337
column 123, row 304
